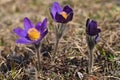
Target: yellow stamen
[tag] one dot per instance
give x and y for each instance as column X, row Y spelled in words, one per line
column 33, row 34
column 64, row 14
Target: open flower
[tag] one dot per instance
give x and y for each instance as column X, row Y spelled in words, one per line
column 32, row 34
column 61, row 15
column 91, row 28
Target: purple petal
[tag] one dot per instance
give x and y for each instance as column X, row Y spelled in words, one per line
column 59, row 18
column 23, row 41
column 97, row 38
column 27, row 24
column 38, row 26
column 93, row 28
column 87, row 22
column 67, row 9
column 98, row 30
column 55, row 8
column 70, row 17
column 87, row 26
column 94, row 23
column 20, row 32
column 43, row 25
column 44, row 33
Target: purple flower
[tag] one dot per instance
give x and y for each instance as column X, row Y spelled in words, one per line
column 32, row 34
column 91, row 27
column 61, row 15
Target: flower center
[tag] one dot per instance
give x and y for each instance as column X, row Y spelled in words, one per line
column 64, row 14
column 33, row 34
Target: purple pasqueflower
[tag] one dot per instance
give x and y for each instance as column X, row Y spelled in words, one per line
column 32, row 34
column 61, row 15
column 91, row 27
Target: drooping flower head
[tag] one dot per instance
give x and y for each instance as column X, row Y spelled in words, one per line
column 32, row 34
column 61, row 15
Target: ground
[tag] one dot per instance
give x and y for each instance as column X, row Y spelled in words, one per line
column 17, row 62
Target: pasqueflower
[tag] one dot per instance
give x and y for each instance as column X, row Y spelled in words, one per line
column 31, row 34
column 61, row 15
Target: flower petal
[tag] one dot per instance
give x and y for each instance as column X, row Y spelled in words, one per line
column 55, row 8
column 98, row 30
column 23, row 41
column 27, row 24
column 70, row 17
column 97, row 37
column 38, row 26
column 20, row 32
column 44, row 33
column 94, row 23
column 59, row 18
column 93, row 28
column 43, row 25
column 67, row 9
column 87, row 22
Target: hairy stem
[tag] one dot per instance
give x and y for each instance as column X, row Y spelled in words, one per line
column 38, row 56
column 56, row 47
column 91, row 61
column 59, row 30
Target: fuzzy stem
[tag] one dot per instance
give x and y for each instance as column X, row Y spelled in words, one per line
column 38, row 56
column 56, row 47
column 91, row 61
column 59, row 32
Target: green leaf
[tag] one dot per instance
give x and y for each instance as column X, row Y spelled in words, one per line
column 111, row 57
